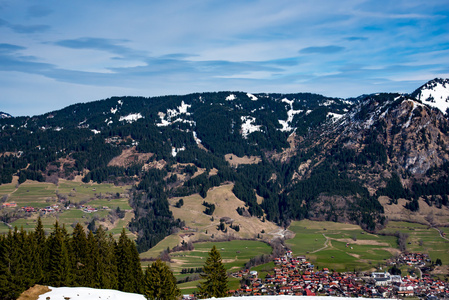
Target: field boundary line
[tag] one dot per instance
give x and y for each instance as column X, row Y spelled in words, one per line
column 326, row 244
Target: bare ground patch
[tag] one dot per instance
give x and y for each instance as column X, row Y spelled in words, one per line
column 362, row 242
column 192, row 212
column 235, row 161
column 34, row 292
column 353, row 255
column 425, row 213
column 128, row 157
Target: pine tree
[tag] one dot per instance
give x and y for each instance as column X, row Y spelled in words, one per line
column 216, row 279
column 108, row 263
column 10, row 287
column 93, row 262
column 79, row 252
column 159, row 282
column 128, row 265
column 58, row 263
column 38, row 240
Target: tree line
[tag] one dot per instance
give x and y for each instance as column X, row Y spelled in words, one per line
column 94, row 260
column 89, row 259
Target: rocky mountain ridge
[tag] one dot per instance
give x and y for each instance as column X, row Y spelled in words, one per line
column 4, row 115
column 312, row 156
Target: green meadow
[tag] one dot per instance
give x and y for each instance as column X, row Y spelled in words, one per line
column 104, row 197
column 234, row 255
column 422, row 238
column 339, row 246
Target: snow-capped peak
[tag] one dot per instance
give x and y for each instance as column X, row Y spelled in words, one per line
column 434, row 93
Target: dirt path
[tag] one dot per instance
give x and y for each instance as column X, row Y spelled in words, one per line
column 326, row 244
column 441, row 233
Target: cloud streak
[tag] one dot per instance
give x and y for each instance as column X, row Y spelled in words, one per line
column 151, row 47
column 322, row 50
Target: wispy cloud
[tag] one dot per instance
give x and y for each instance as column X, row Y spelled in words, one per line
column 38, row 11
column 102, row 44
column 322, row 50
column 356, row 38
column 9, row 48
column 101, row 47
column 20, row 28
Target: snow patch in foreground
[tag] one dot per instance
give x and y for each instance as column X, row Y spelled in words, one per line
column 83, row 293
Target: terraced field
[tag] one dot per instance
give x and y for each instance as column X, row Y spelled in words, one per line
column 104, row 197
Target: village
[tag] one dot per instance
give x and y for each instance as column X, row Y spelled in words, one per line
column 52, row 208
column 297, row 276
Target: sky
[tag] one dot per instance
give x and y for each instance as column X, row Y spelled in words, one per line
column 55, row 53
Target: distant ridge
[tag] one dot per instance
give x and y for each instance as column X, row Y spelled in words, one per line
column 4, row 115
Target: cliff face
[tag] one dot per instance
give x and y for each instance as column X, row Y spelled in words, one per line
column 414, row 135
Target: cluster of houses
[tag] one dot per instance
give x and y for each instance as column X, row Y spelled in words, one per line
column 296, row 276
column 88, row 209
column 53, row 208
column 9, row 204
column 412, row 259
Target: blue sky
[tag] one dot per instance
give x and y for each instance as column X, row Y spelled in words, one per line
column 55, row 53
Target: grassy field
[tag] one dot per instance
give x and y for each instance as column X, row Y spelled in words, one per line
column 42, row 194
column 345, row 247
column 188, row 288
column 422, row 238
column 338, row 246
column 234, row 255
column 104, row 197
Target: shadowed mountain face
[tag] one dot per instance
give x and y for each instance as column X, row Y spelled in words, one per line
column 291, row 156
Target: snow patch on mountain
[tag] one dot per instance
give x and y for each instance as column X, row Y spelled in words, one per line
column 175, row 151
column 131, row 118
column 173, row 113
column 4, row 115
column 182, row 109
column 248, row 126
column 334, row 116
column 415, row 105
column 328, row 103
column 195, row 137
column 252, row 97
column 115, row 109
column 231, row 97
column 435, row 93
column 290, row 114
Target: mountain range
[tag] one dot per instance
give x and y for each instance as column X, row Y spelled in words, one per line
column 362, row 160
